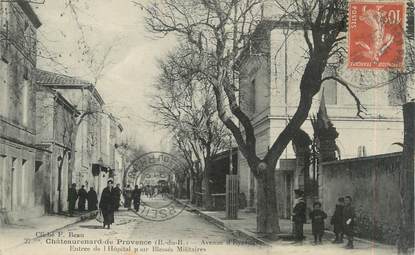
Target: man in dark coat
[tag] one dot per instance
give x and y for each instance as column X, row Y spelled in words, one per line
column 118, row 193
column 92, row 199
column 337, row 221
column 82, row 197
column 107, row 204
column 299, row 215
column 72, row 197
column 128, row 192
column 348, row 221
column 317, row 217
column 136, row 197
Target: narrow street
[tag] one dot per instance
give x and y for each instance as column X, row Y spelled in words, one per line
column 131, row 234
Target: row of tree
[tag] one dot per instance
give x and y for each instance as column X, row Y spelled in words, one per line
column 199, row 81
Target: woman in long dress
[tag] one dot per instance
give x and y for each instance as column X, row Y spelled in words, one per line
column 107, row 204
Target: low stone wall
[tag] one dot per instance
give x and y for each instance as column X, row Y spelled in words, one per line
column 373, row 183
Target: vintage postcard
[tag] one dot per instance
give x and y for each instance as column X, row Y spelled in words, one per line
column 141, row 127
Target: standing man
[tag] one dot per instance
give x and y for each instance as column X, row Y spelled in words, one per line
column 299, row 216
column 127, row 196
column 83, row 196
column 72, row 197
column 136, row 197
column 107, row 204
column 92, row 199
column 118, row 193
column 348, row 216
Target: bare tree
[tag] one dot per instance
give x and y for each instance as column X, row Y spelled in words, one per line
column 184, row 105
column 130, row 150
column 220, row 32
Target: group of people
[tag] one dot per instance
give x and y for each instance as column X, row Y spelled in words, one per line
column 152, row 191
column 342, row 220
column 132, row 195
column 109, row 203
column 82, row 196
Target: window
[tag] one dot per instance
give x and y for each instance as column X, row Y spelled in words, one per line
column 330, row 86
column 361, row 151
column 13, row 185
column 26, row 72
column 24, row 181
column 4, row 92
column 25, row 103
column 330, row 92
column 5, row 44
column 3, row 194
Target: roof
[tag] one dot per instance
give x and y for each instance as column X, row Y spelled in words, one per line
column 28, row 10
column 60, row 99
column 50, row 78
column 62, row 81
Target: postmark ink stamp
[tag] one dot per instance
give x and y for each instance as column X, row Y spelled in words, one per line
column 376, row 34
column 158, row 175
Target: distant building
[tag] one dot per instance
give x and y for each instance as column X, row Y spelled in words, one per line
column 269, row 93
column 55, row 125
column 18, row 26
column 96, row 131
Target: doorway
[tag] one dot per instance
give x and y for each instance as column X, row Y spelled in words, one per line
column 13, row 185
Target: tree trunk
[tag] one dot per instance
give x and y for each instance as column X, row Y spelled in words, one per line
column 207, row 196
column 267, row 210
column 193, row 190
column 406, row 231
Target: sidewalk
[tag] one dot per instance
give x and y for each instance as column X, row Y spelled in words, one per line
column 245, row 227
column 13, row 235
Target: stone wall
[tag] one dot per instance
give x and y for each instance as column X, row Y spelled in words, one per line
column 373, row 183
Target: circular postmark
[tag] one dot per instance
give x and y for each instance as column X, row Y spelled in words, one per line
column 157, row 177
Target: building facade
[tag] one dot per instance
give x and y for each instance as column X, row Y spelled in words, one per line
column 55, row 125
column 270, row 74
column 96, row 131
column 17, row 115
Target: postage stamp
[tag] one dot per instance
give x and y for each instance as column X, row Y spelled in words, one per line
column 157, row 176
column 376, row 34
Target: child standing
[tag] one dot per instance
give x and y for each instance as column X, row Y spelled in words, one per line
column 337, row 221
column 317, row 217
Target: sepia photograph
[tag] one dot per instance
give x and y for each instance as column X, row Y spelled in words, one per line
column 207, row 127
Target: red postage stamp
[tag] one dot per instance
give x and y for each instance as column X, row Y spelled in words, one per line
column 376, row 34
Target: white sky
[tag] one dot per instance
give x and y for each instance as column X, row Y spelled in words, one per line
column 131, row 65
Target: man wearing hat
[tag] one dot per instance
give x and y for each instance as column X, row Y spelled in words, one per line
column 107, row 204
column 299, row 215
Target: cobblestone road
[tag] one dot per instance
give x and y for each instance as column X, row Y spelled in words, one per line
column 186, row 233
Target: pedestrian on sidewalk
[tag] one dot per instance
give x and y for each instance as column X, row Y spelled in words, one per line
column 337, row 221
column 348, row 221
column 82, row 197
column 118, row 193
column 72, row 197
column 299, row 215
column 107, row 204
column 317, row 217
column 92, row 199
column 128, row 192
column 137, row 197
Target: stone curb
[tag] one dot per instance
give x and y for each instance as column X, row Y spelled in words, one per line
column 221, row 224
column 77, row 219
column 246, row 234
column 331, row 233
